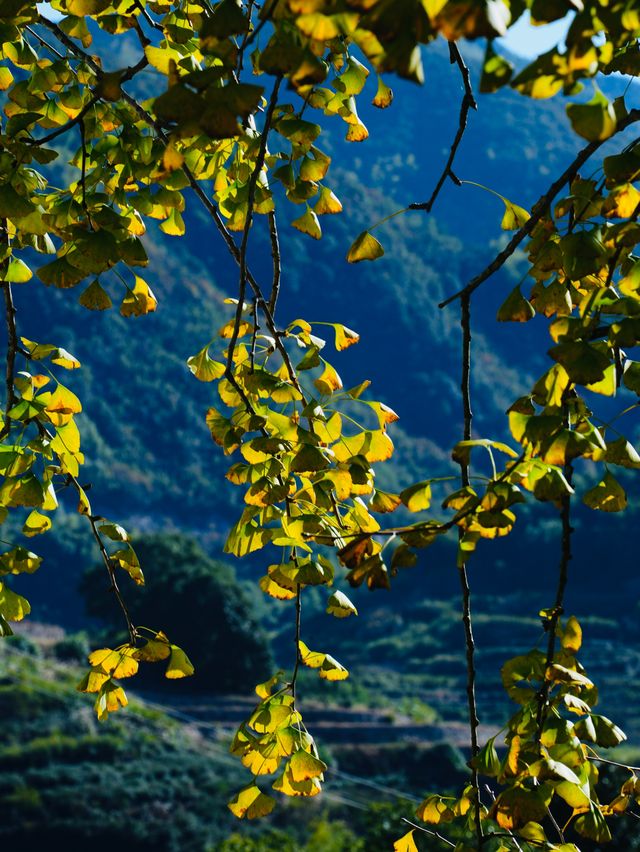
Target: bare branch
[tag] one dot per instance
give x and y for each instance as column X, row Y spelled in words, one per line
column 468, row 102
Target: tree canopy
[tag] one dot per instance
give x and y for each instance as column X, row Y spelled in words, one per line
column 116, row 113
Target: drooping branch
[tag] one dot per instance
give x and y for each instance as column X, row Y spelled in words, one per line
column 465, row 389
column 12, row 350
column 538, row 210
column 251, row 195
column 468, row 102
column 276, row 260
column 558, row 607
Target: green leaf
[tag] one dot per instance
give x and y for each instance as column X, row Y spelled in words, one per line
column 607, row 496
column 516, row 308
column 496, row 71
column 583, row 362
column 384, row 95
column 95, row 297
column 364, row 247
column 595, row 120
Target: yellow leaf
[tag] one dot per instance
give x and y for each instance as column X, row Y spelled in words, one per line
column 271, row 588
column 308, row 223
column 119, row 663
column 384, row 95
column 61, row 405
column 405, row 844
column 35, row 524
column 313, row 659
column 179, row 664
column 329, row 380
column 305, row 766
column 331, row 669
column 572, row 635
column 251, row 803
column 13, row 607
column 364, row 247
column 290, row 787
column 138, row 301
column 204, row 368
column 328, row 203
column 514, row 216
column 110, row 698
column 417, row 497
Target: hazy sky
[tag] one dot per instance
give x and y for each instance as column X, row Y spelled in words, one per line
column 529, row 41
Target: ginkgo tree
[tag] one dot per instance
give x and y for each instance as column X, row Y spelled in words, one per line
column 230, row 115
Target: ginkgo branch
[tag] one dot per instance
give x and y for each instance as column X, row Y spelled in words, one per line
column 468, row 103
column 474, row 722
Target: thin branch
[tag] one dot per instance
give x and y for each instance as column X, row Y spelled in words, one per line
column 468, row 102
column 597, row 759
column 276, row 260
column 44, row 140
column 429, row 832
column 465, row 388
column 294, row 676
column 12, row 349
column 558, row 608
column 253, row 182
column 538, row 211
column 112, row 574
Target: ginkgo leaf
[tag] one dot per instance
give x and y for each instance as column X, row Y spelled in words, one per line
column 331, row 669
column 111, row 698
column 514, row 216
column 309, row 224
column 364, row 247
column 405, row 843
column 36, row 524
column 305, row 766
column 340, row 605
column 13, row 606
column 138, row 301
column 204, row 367
column 179, row 664
column 95, row 297
column 607, row 496
column 417, row 497
column 328, row 203
column 384, row 95
column 116, row 663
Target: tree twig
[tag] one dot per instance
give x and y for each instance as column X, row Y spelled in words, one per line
column 538, row 211
column 276, row 261
column 468, row 102
column 465, row 388
column 429, row 832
